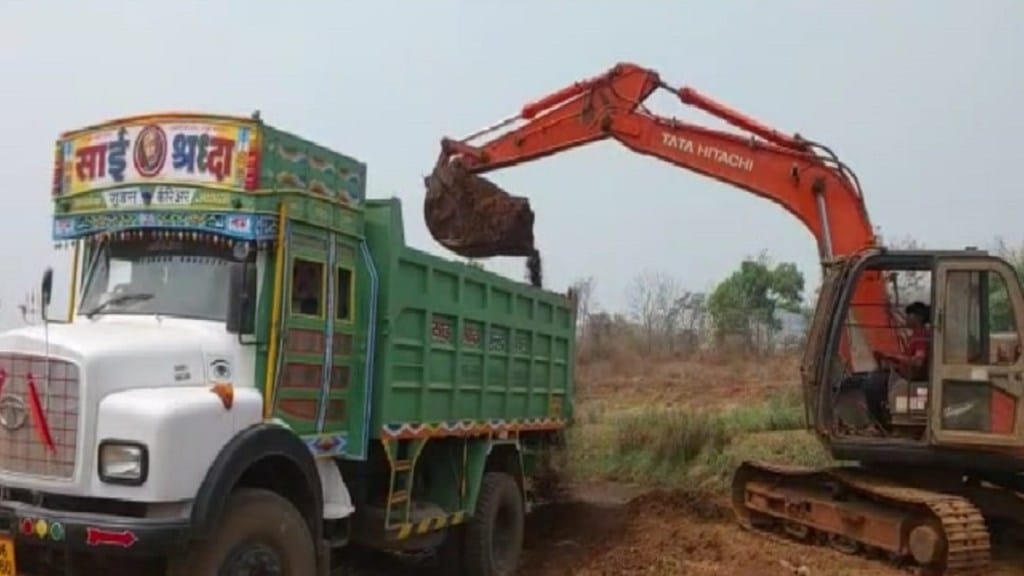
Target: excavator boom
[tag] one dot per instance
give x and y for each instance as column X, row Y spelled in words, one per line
column 473, row 217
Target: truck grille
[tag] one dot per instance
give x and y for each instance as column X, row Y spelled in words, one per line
column 22, row 448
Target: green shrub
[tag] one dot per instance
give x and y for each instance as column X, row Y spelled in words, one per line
column 783, row 412
column 671, row 436
column 692, row 448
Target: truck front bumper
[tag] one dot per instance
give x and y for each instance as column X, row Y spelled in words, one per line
column 32, row 526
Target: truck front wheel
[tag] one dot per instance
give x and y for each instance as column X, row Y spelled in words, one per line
column 494, row 536
column 260, row 533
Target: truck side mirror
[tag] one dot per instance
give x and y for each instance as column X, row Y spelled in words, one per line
column 242, row 299
column 46, row 291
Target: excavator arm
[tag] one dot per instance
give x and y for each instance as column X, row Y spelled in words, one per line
column 817, row 189
column 473, row 217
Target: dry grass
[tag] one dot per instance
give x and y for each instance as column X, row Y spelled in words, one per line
column 705, row 379
column 688, row 422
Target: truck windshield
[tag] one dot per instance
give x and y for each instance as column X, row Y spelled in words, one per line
column 181, row 278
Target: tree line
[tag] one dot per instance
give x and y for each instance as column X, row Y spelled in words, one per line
column 746, row 309
column 761, row 307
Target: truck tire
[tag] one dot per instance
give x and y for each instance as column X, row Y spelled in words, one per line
column 494, row 536
column 260, row 530
column 449, row 556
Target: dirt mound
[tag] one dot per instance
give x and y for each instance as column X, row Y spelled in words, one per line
column 657, row 541
column 605, row 536
column 692, row 504
column 670, row 532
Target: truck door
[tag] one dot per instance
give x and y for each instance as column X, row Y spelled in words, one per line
column 977, row 377
column 305, row 324
column 322, row 390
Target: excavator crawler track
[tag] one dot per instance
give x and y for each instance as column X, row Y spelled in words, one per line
column 853, row 510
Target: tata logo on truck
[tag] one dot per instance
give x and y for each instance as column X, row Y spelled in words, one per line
column 13, row 412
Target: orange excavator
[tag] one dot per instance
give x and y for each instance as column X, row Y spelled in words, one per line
column 933, row 459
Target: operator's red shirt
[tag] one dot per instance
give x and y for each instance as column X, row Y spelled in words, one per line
column 919, row 342
column 915, row 362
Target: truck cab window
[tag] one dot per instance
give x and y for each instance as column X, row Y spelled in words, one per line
column 343, row 300
column 307, row 287
column 170, row 277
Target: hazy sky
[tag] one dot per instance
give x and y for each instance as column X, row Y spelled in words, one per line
column 924, row 99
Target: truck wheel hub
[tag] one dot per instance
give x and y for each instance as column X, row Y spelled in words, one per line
column 252, row 559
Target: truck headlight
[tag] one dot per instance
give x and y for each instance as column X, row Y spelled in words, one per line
column 123, row 462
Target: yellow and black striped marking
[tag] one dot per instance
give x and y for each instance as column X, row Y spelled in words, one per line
column 429, row 525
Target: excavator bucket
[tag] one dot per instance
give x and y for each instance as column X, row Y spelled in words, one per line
column 475, row 218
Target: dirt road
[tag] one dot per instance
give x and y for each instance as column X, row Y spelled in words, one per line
column 606, row 530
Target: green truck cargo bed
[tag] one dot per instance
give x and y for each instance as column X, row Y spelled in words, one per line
column 459, row 347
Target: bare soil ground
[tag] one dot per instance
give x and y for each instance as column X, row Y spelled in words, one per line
column 671, row 533
column 601, row 533
column 612, row 530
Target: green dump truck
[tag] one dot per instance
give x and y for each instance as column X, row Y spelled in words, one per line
column 256, row 369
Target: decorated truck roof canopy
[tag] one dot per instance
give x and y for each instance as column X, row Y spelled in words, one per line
column 206, row 173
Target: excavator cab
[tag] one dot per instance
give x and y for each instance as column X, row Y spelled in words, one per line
column 970, row 389
column 925, row 457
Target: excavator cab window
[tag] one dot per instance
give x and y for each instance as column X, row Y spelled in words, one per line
column 879, row 370
column 978, row 371
column 980, row 327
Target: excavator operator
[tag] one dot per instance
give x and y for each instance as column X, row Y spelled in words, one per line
column 912, row 364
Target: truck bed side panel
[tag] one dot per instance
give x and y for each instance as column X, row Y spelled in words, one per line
column 462, row 347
